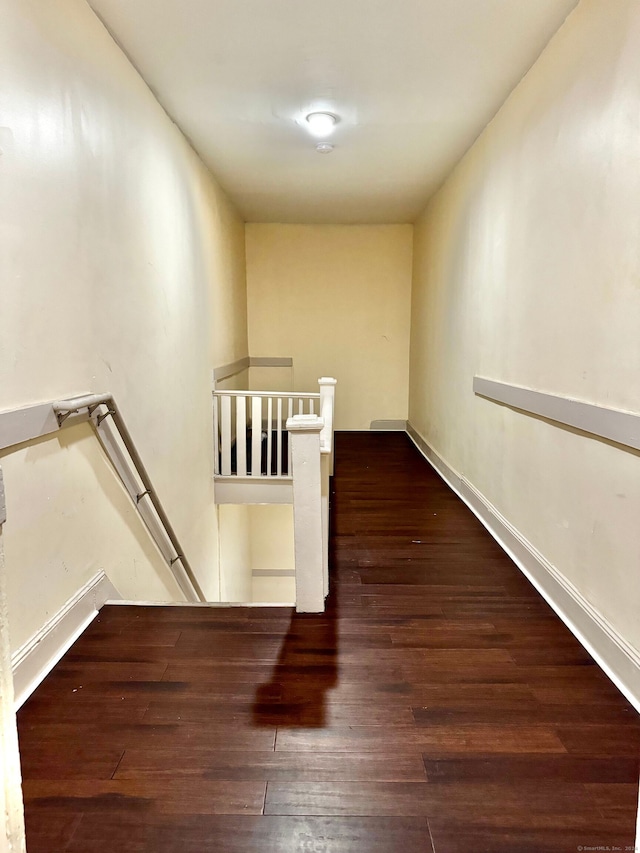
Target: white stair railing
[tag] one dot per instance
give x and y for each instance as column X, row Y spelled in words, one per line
column 250, row 433
column 268, row 437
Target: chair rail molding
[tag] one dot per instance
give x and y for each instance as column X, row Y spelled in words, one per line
column 612, row 424
column 226, row 371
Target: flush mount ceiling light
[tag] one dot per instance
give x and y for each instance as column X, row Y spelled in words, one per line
column 321, row 124
column 324, row 148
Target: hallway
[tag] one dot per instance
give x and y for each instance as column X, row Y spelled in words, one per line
column 438, row 705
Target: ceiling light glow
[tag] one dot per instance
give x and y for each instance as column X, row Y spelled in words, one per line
column 321, row 124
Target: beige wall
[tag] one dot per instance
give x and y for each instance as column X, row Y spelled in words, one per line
column 255, row 536
column 337, row 299
column 234, row 525
column 527, row 270
column 272, row 537
column 118, row 249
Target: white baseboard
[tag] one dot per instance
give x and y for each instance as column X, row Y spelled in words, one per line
column 37, row 657
column 619, row 660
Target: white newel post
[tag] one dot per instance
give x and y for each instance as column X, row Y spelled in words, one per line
column 325, row 465
column 12, row 838
column 304, row 436
column 327, row 402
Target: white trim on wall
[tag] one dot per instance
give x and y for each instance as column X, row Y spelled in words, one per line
column 611, row 424
column 253, row 490
column 619, row 660
column 36, row 658
column 226, row 371
column 20, row 425
column 268, row 361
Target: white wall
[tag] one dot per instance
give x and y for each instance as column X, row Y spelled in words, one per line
column 527, row 270
column 337, row 299
column 122, row 271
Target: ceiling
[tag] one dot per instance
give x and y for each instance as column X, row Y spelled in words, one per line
column 413, row 83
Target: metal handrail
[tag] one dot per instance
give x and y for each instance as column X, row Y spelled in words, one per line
column 92, row 403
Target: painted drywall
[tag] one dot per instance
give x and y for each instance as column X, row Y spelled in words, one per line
column 234, row 524
column 527, row 271
column 122, row 271
column 271, row 378
column 237, row 382
column 255, row 536
column 337, row 300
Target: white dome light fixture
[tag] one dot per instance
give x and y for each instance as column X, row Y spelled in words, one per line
column 324, row 148
column 321, row 124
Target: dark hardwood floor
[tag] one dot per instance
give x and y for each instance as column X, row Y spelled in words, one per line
column 438, row 705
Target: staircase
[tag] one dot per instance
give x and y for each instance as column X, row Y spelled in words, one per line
column 277, row 448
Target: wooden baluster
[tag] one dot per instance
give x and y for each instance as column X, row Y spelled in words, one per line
column 289, row 415
column 300, row 406
column 225, row 403
column 241, row 436
column 256, row 435
column 279, row 438
column 216, row 436
column 269, row 433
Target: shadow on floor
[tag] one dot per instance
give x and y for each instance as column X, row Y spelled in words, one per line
column 307, row 667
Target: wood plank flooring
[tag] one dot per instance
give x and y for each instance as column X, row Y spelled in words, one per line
column 438, row 706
